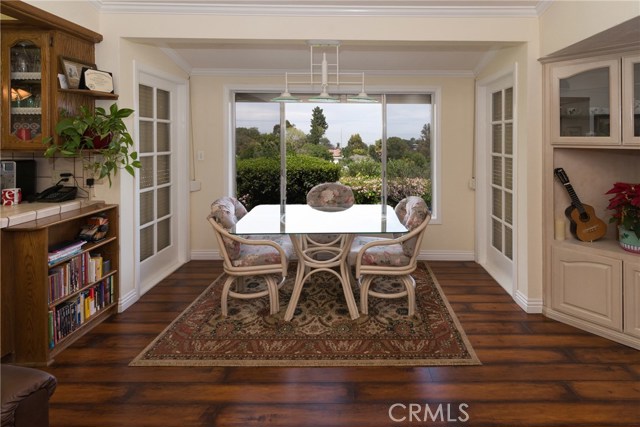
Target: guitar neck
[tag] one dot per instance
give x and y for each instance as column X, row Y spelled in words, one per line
column 575, row 201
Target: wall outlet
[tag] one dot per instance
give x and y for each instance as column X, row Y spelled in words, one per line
column 56, row 176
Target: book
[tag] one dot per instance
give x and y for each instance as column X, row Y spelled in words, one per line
column 64, row 250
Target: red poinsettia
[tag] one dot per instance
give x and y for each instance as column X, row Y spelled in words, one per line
column 626, row 204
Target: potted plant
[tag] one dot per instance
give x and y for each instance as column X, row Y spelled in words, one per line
column 626, row 204
column 101, row 133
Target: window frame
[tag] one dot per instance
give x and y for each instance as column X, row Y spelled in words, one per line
column 435, row 92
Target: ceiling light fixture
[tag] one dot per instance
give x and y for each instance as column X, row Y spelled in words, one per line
column 324, row 75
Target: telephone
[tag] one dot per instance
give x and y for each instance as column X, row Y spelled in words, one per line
column 56, row 193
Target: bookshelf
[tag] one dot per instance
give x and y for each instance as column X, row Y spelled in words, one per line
column 42, row 306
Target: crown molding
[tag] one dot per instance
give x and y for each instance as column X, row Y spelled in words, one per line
column 317, row 8
column 382, row 73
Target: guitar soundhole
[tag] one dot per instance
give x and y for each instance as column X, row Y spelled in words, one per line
column 584, row 217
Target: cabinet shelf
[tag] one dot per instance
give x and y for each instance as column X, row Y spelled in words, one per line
column 26, row 111
column 30, row 75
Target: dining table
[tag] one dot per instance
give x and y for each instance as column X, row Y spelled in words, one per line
column 301, row 220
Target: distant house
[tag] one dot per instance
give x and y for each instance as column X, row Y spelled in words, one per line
column 336, row 153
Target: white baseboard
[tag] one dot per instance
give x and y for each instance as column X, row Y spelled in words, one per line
column 446, row 256
column 423, row 256
column 127, row 300
column 202, row 255
column 529, row 305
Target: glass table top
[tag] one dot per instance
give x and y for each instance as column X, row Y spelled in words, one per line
column 303, row 219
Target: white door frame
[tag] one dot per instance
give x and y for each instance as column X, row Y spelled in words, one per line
column 483, row 177
column 142, row 285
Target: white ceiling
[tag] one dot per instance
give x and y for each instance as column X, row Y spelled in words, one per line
column 271, row 56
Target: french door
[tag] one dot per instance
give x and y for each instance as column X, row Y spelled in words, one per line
column 497, row 189
column 157, row 181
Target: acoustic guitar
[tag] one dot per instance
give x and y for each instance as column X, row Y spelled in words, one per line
column 585, row 225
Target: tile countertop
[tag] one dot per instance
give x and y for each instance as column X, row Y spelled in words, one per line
column 24, row 212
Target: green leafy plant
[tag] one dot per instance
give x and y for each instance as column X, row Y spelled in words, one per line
column 100, row 137
column 626, row 204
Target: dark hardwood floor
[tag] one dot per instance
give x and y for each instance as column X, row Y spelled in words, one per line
column 535, row 372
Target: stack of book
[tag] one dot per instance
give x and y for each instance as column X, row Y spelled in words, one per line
column 64, row 251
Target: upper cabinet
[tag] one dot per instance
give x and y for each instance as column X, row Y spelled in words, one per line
column 32, row 99
column 595, row 102
column 631, row 99
column 25, row 58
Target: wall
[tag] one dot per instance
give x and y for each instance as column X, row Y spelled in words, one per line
column 567, row 22
column 454, row 236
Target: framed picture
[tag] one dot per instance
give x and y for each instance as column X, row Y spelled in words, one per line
column 72, row 69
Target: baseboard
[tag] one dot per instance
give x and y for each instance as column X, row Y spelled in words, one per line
column 446, row 256
column 127, row 300
column 202, row 255
column 423, row 256
column 529, row 305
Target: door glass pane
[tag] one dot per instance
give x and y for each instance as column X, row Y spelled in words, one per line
column 508, row 207
column 145, row 101
column 636, row 99
column 497, row 171
column 163, row 136
column 508, row 173
column 508, row 138
column 146, row 137
column 496, row 106
column 163, row 104
column 164, row 170
column 146, row 207
column 508, row 104
column 164, row 233
column 584, row 104
column 496, row 137
column 497, row 202
column 146, row 243
column 26, row 90
column 496, row 234
column 146, row 172
column 508, row 242
column 164, row 201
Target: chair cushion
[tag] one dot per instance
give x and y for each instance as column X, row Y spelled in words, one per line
column 388, row 255
column 251, row 255
column 227, row 211
column 412, row 211
column 331, row 195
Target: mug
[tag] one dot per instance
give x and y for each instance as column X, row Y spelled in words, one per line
column 23, row 134
column 11, row 196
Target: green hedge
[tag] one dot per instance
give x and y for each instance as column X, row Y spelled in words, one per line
column 258, row 180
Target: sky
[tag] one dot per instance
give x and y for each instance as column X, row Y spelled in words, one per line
column 344, row 119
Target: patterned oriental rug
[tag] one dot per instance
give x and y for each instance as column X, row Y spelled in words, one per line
column 320, row 334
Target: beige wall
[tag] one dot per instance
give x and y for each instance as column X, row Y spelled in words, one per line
column 567, row 22
column 456, row 232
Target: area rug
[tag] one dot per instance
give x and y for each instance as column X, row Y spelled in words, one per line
column 321, row 332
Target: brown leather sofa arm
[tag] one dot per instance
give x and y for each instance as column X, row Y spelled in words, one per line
column 25, row 396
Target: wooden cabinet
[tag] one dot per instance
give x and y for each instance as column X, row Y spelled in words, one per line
column 44, row 321
column 31, row 94
column 592, row 131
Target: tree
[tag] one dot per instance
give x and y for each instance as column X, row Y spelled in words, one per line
column 318, row 126
column 424, row 143
column 295, row 138
column 355, row 145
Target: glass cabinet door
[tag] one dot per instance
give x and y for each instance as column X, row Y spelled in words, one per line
column 585, row 103
column 26, row 95
column 631, row 100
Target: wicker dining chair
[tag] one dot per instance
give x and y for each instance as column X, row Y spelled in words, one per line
column 328, row 196
column 376, row 257
column 248, row 256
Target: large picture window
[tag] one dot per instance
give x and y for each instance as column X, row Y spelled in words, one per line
column 384, row 151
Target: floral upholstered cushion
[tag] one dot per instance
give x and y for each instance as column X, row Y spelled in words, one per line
column 250, row 255
column 412, row 211
column 385, row 255
column 330, row 196
column 226, row 211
